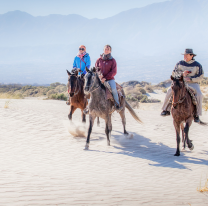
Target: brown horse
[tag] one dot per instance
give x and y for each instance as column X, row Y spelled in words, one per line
column 76, row 92
column 183, row 111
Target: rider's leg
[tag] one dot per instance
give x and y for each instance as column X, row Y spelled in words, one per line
column 166, row 105
column 115, row 93
column 199, row 97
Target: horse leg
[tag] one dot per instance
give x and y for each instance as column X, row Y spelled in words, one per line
column 72, row 109
column 123, row 118
column 186, row 130
column 92, row 119
column 83, row 117
column 177, row 129
column 98, row 121
column 108, row 129
column 183, row 137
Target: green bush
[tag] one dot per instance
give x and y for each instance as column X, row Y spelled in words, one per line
column 141, row 90
column 144, row 99
column 59, row 97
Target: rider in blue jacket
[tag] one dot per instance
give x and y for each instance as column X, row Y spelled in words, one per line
column 82, row 60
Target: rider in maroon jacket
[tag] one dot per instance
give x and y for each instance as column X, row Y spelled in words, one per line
column 106, row 64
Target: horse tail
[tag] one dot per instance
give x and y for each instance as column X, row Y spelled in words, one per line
column 132, row 112
column 203, row 123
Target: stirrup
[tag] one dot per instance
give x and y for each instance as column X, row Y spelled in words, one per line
column 165, row 113
column 67, row 102
column 196, row 119
column 86, row 111
column 118, row 108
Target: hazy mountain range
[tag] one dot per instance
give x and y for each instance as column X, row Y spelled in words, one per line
column 147, row 42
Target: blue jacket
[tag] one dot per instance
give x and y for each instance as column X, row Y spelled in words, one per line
column 82, row 63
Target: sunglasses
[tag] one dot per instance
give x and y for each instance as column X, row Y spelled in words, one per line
column 81, row 49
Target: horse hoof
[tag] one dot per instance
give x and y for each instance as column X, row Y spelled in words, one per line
column 177, row 154
column 86, row 147
column 192, row 147
column 108, row 143
column 183, row 149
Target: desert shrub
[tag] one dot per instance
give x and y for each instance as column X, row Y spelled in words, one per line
column 58, row 96
column 141, row 90
column 127, row 90
column 10, row 95
column 149, row 89
column 153, row 100
column 144, row 99
column 164, row 90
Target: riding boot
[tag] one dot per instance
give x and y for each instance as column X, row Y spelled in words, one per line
column 118, row 108
column 68, row 101
column 196, row 116
column 167, row 111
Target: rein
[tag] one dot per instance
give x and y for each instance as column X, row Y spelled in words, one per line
column 180, row 100
column 93, row 85
column 76, row 92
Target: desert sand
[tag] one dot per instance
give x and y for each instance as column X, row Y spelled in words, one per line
column 43, row 164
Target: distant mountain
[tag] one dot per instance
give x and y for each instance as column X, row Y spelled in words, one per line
column 143, row 39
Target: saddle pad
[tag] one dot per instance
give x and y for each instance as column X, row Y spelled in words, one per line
column 110, row 96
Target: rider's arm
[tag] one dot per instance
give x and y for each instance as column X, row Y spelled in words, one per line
column 75, row 64
column 97, row 65
column 199, row 75
column 88, row 62
column 175, row 71
column 113, row 71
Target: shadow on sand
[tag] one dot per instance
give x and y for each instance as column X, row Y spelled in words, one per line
column 160, row 154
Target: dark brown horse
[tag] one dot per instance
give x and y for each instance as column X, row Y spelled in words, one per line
column 76, row 92
column 183, row 111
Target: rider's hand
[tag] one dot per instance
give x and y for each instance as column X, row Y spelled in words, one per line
column 187, row 79
column 185, row 73
column 100, row 76
column 103, row 80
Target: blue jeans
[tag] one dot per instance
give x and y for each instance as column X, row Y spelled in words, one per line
column 114, row 90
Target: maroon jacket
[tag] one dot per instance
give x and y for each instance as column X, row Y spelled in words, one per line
column 107, row 67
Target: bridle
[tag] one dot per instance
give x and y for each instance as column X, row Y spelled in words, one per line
column 93, row 86
column 180, row 100
column 76, row 92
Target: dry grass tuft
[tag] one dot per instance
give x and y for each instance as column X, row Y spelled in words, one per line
column 203, row 189
column 6, row 106
column 205, row 106
column 11, row 96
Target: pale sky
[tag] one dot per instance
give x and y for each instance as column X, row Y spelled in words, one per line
column 88, row 8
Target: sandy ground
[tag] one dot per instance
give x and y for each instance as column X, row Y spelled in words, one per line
column 43, row 164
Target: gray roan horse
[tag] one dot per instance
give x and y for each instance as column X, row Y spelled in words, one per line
column 99, row 106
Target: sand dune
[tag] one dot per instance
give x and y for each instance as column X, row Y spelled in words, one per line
column 43, row 164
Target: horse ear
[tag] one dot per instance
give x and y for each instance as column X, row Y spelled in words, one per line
column 94, row 69
column 171, row 77
column 68, row 72
column 87, row 70
column 181, row 79
column 76, row 72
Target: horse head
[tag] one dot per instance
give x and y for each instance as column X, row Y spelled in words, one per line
column 178, row 88
column 92, row 80
column 72, row 84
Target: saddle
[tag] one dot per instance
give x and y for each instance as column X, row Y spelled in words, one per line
column 108, row 93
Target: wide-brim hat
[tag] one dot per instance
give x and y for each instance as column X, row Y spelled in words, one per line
column 189, row 51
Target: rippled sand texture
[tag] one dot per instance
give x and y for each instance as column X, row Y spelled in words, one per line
column 42, row 164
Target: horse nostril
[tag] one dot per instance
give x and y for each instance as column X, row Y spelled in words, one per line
column 71, row 94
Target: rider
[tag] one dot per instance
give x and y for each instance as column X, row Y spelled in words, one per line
column 81, row 61
column 106, row 64
column 193, row 74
